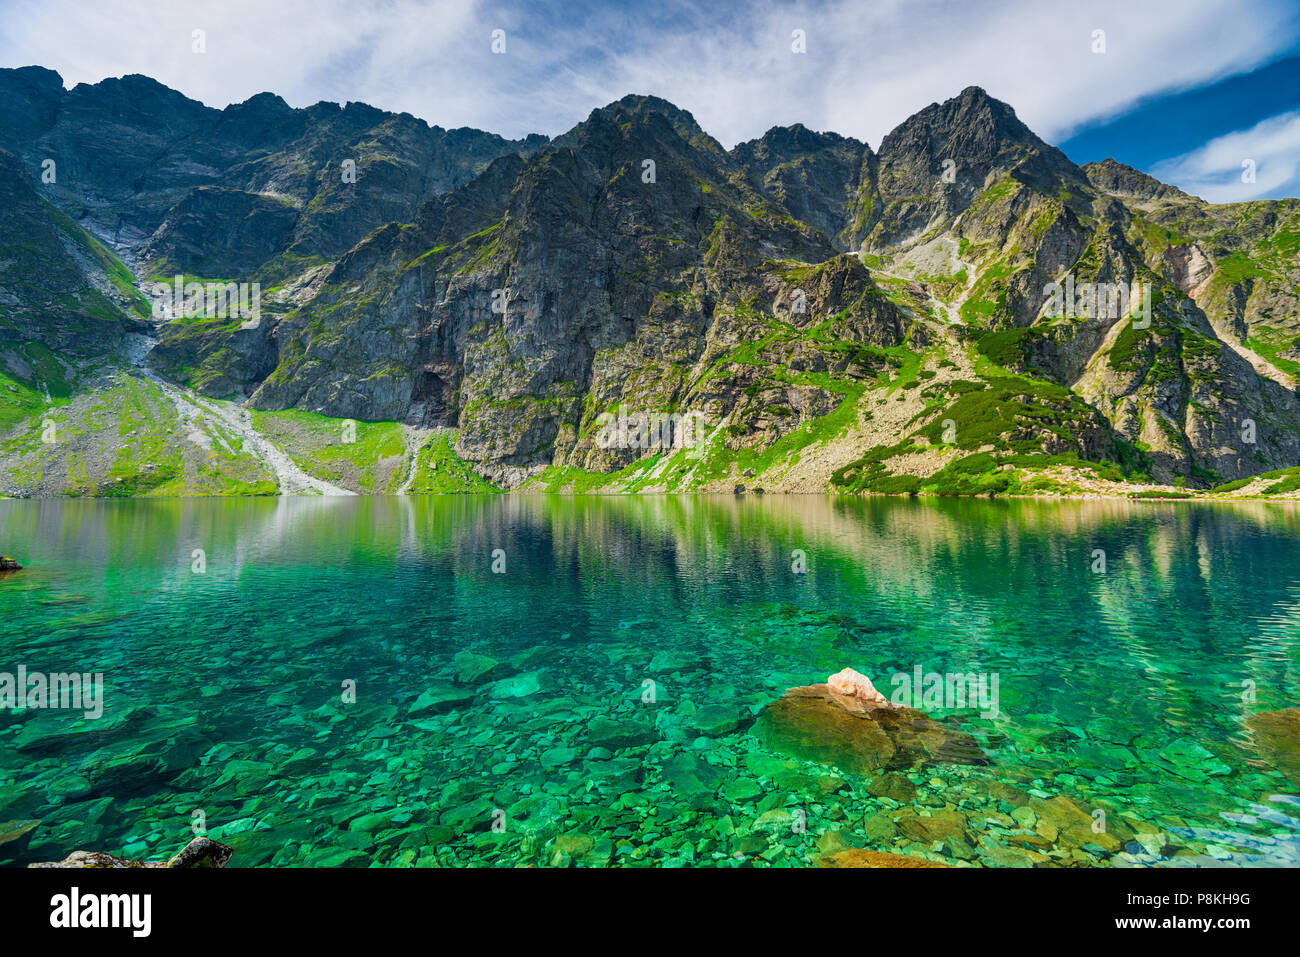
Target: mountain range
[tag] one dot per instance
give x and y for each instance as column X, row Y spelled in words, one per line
column 449, row 310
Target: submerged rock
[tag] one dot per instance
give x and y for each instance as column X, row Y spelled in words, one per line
column 200, row 852
column 855, row 857
column 472, row 669
column 853, row 684
column 1277, row 737
column 521, row 686
column 715, row 720
column 858, row 733
column 893, row 786
column 603, row 732
column 15, row 835
column 440, row 699
column 940, row 826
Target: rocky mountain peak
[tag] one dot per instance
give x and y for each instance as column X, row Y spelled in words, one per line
column 136, row 95
column 645, row 110
column 29, row 100
column 1117, row 179
column 972, row 129
column 784, row 143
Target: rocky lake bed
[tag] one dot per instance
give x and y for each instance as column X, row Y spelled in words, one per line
column 641, row 685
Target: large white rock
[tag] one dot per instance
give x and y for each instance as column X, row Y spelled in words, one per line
column 855, row 685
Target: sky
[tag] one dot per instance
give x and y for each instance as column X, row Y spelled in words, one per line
column 1204, row 94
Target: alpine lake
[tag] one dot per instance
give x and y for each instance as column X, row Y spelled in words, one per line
column 515, row 680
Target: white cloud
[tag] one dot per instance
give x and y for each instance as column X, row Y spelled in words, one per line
column 1214, row 172
column 868, row 65
column 387, row 52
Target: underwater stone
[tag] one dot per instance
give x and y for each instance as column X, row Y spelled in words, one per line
column 939, row 826
column 1189, row 760
column 832, row 841
column 553, row 758
column 575, row 845
column 1072, row 824
column 474, row 815
column 893, row 786
column 68, row 789
column 472, row 669
column 616, row 735
column 1277, row 737
column 674, row 661
column 202, row 852
column 688, row 776
column 854, row 857
column 441, row 699
column 198, row 853
column 853, row 684
column 15, row 835
column 1001, row 856
column 855, row 734
column 521, row 686
column 777, row 819
column 617, row 772
column 715, row 720
column 741, row 789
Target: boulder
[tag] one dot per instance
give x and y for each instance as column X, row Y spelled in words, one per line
column 200, row 852
column 852, row 684
column 856, row 732
column 1277, row 738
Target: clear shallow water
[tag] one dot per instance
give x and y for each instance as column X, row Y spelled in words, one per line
column 1121, row 691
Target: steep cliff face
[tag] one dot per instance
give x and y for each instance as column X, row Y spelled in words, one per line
column 151, row 172
column 60, row 289
column 807, row 312
column 817, row 177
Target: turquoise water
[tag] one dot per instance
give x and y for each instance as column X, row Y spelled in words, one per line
column 604, row 712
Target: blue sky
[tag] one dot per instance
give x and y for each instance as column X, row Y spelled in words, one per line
column 1186, row 89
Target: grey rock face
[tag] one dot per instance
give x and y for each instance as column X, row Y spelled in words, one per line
column 521, row 292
